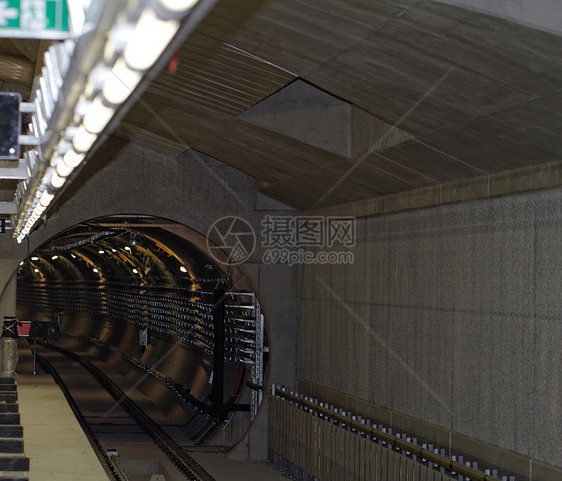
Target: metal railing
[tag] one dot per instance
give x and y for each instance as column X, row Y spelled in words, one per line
column 368, row 432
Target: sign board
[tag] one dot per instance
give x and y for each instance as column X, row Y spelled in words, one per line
column 10, row 126
column 48, row 19
column 23, row 328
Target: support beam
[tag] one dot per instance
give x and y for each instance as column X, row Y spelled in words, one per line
column 14, row 170
column 8, row 208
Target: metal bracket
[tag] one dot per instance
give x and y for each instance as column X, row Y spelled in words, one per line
column 27, row 108
column 29, row 140
column 14, row 170
column 8, row 208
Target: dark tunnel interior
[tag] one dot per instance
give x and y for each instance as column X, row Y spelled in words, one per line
column 137, row 295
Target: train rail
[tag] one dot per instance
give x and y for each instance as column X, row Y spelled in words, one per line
column 185, row 463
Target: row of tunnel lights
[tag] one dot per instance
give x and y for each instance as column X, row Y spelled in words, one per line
column 130, row 51
column 183, row 269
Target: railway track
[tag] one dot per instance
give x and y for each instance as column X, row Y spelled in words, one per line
column 185, row 463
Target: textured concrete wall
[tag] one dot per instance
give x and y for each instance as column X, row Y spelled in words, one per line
column 8, row 287
column 452, row 315
column 11, row 254
column 541, row 14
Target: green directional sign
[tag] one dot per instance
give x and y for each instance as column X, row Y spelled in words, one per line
column 47, row 19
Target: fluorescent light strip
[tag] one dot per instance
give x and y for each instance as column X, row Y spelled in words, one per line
column 131, row 49
column 178, row 6
column 150, row 37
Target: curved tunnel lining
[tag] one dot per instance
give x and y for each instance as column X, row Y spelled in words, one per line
column 120, row 288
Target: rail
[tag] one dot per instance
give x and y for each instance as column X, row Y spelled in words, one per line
column 109, row 466
column 189, row 467
column 417, row 452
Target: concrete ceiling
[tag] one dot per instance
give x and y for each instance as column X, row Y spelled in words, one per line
column 476, row 94
column 461, row 93
column 17, row 65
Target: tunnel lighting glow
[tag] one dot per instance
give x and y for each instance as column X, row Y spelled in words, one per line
column 113, row 250
column 149, row 39
column 73, row 256
column 55, row 258
column 97, row 116
column 21, row 263
column 35, row 258
column 96, row 270
column 36, row 270
column 73, row 159
column 57, row 181
column 127, row 248
column 101, row 251
column 83, row 140
column 121, row 82
column 135, row 271
column 63, row 170
column 183, row 269
column 46, row 199
column 178, row 5
column 107, row 67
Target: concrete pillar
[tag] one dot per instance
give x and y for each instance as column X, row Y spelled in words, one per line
column 8, row 269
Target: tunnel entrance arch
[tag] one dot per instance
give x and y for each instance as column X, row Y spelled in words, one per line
column 141, row 293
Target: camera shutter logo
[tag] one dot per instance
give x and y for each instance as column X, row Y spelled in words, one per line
column 233, row 236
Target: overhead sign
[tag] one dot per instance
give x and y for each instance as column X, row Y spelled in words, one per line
column 48, row 19
column 10, row 126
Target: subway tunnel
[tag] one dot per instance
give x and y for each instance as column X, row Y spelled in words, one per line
column 264, row 238
column 137, row 293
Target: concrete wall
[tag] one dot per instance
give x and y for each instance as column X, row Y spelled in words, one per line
column 450, row 315
column 541, row 14
column 195, row 190
column 11, row 254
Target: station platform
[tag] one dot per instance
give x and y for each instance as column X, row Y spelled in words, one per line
column 57, row 447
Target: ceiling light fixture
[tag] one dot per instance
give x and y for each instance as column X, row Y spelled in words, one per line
column 122, row 45
column 149, row 39
column 180, row 6
column 120, row 83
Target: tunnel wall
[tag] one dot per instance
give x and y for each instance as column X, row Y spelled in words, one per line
column 450, row 315
column 195, row 190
